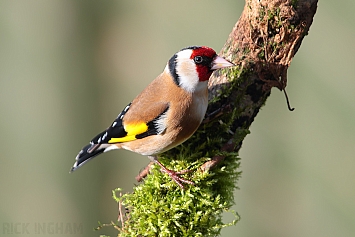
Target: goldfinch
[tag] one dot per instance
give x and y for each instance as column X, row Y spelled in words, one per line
column 165, row 114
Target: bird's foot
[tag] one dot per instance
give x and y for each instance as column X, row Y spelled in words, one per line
column 174, row 175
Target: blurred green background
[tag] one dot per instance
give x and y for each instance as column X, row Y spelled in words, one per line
column 68, row 67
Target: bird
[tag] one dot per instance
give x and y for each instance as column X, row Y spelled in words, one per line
column 165, row 114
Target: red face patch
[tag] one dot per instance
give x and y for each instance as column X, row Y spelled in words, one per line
column 203, row 51
column 203, row 57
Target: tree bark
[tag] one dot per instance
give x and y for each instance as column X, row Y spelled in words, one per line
column 262, row 44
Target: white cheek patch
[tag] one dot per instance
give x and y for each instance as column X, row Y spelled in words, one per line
column 186, row 69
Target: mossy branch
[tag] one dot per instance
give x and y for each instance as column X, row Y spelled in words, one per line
column 262, row 45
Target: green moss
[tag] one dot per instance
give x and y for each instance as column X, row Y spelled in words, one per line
column 262, row 13
column 261, row 55
column 160, row 208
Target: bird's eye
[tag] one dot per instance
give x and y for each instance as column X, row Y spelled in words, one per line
column 198, row 59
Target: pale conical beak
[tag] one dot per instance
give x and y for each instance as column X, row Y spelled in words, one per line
column 219, row 62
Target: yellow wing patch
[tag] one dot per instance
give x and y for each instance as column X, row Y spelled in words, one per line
column 132, row 130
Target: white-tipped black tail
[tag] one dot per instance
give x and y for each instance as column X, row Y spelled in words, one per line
column 87, row 153
column 100, row 143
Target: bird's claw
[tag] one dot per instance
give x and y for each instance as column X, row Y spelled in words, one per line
column 174, row 175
